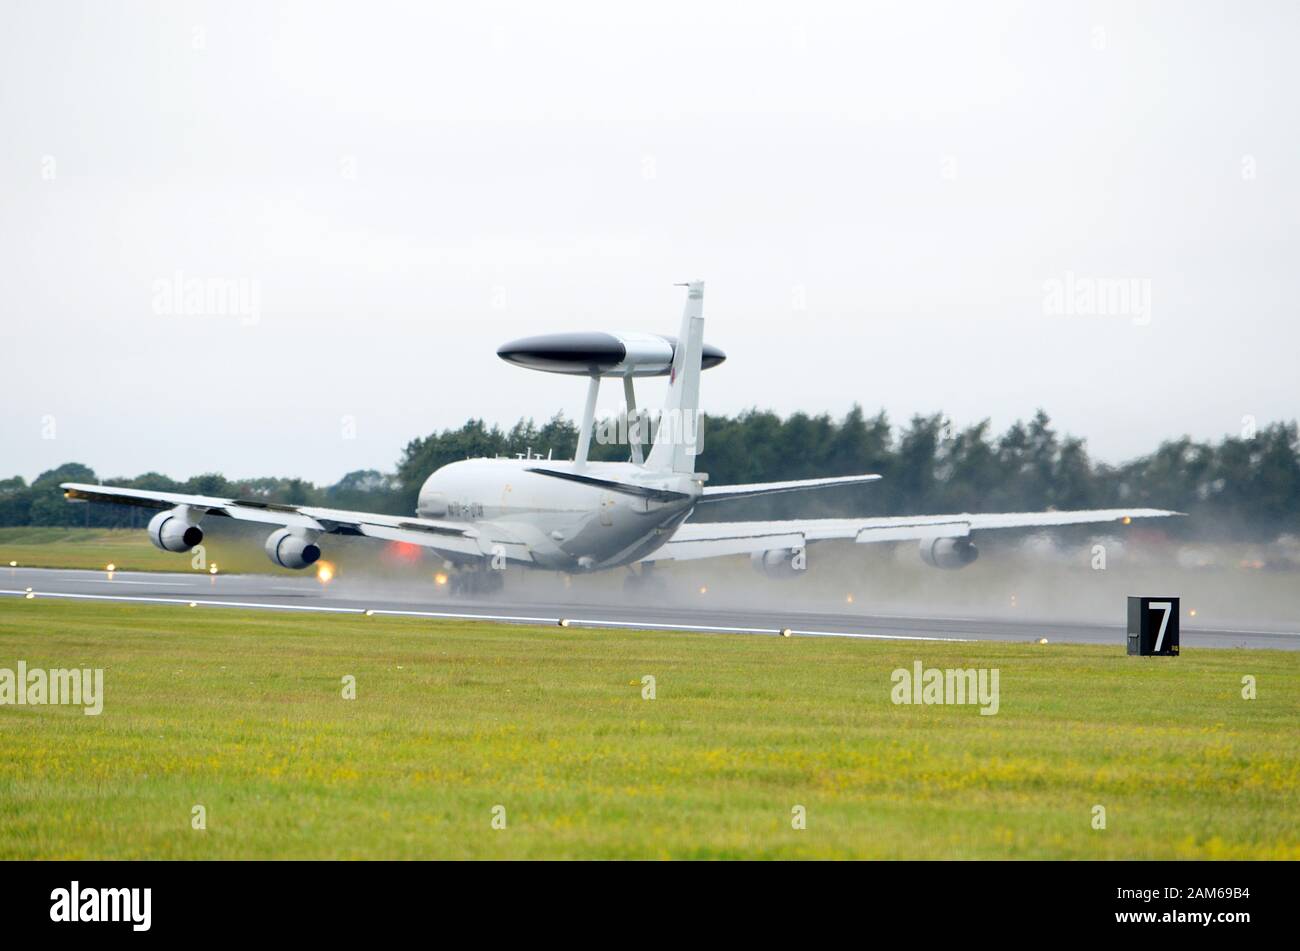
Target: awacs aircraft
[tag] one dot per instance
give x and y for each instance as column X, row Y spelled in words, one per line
column 584, row 516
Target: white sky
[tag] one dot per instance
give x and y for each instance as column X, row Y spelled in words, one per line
column 408, row 186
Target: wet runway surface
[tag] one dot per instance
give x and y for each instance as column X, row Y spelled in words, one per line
column 276, row 592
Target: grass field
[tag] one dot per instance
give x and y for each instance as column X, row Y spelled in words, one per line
column 243, row 713
column 127, row 549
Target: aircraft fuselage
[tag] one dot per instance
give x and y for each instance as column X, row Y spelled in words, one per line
column 568, row 526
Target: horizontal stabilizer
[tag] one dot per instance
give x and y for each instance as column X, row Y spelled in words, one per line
column 626, row 488
column 725, row 493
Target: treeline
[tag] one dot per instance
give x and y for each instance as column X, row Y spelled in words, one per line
column 1245, row 488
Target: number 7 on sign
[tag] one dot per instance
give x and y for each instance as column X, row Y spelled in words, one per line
column 1166, row 607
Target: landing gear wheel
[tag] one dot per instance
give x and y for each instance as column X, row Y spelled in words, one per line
column 645, row 585
column 473, row 583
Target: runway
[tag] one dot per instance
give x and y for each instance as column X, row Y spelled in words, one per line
column 278, row 593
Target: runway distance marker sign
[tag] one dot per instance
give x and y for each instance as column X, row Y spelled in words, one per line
column 1153, row 627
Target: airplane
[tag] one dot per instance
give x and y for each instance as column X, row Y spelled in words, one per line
column 483, row 516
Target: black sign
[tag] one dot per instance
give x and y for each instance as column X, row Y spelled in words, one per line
column 1153, row 626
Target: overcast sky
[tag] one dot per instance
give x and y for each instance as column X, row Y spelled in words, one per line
column 912, row 206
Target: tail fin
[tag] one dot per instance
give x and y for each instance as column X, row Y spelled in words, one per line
column 678, row 437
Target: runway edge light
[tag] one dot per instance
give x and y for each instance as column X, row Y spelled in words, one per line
column 1153, row 627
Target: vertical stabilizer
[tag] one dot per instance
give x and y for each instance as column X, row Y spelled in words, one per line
column 678, row 437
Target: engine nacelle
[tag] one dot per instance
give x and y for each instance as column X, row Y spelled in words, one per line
column 290, row 550
column 948, row 553
column 780, row 562
column 172, row 530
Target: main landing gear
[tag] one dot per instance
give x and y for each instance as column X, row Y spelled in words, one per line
column 644, row 584
column 476, row 582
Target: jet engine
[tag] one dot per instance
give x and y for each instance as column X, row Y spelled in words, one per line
column 779, row 562
column 948, row 553
column 172, row 530
column 290, row 550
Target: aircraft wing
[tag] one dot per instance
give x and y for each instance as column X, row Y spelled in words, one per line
column 452, row 538
column 715, row 539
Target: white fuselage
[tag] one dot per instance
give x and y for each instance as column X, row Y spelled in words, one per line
column 568, row 526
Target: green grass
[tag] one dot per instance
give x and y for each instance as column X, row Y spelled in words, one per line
column 242, row 712
column 126, row 549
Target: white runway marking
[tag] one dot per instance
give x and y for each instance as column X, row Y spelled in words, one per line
column 122, row 573
column 506, row 618
column 185, row 601
column 659, row 626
